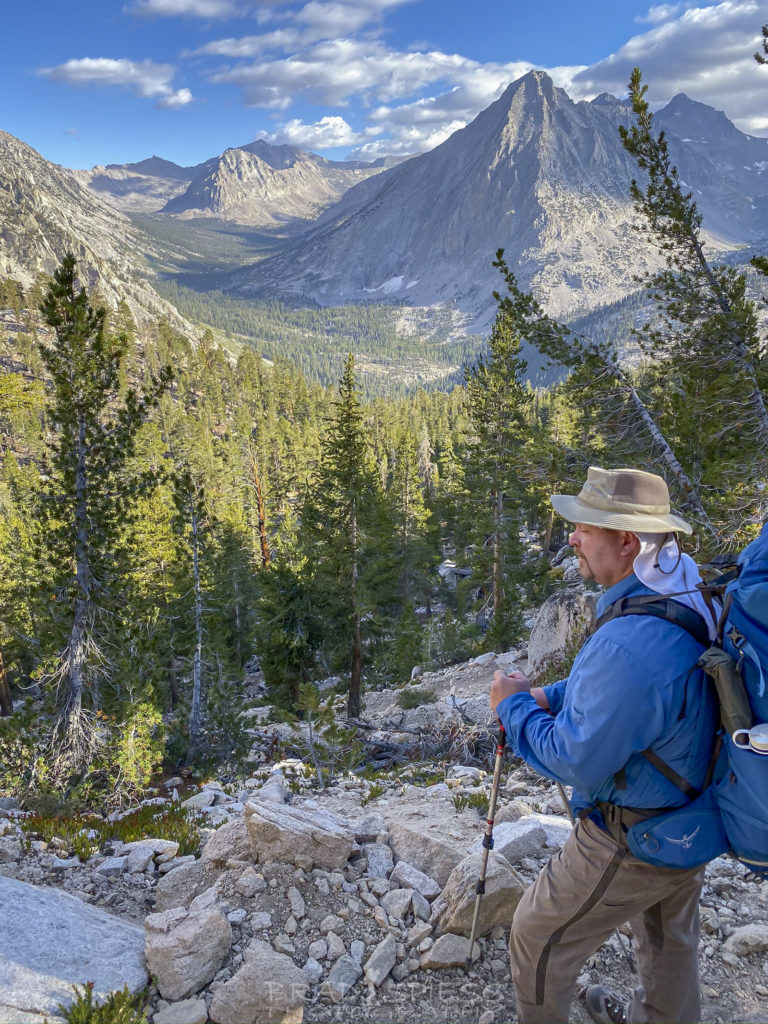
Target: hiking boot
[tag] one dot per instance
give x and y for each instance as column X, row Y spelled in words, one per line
column 605, row 1006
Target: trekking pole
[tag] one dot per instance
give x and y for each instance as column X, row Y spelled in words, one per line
column 487, row 841
column 624, row 947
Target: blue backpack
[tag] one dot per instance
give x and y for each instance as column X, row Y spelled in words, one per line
column 730, row 812
column 742, row 782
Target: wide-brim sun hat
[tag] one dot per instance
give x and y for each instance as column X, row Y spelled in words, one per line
column 621, row 499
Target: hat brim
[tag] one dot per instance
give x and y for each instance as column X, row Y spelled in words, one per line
column 569, row 507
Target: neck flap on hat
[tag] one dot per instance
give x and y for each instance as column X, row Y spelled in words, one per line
column 663, row 568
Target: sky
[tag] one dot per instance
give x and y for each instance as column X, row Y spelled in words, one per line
column 115, row 81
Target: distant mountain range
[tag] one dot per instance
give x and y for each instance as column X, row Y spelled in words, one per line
column 258, row 184
column 537, row 174
column 543, row 177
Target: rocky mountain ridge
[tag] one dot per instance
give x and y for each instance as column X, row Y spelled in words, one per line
column 258, row 184
column 45, row 212
column 244, row 186
column 543, row 177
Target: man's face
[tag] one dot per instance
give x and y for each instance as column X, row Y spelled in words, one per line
column 605, row 556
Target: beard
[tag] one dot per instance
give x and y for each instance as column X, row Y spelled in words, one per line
column 585, row 568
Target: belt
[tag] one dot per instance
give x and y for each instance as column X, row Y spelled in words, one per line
column 617, row 820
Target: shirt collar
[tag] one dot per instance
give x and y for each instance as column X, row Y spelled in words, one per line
column 629, row 585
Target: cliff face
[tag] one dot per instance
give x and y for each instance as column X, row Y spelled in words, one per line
column 45, row 212
column 264, row 185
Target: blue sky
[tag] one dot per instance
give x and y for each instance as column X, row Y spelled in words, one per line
column 97, row 81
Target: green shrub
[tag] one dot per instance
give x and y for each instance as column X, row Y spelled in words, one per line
column 118, row 1008
column 479, row 801
column 412, row 697
column 164, row 821
column 374, row 791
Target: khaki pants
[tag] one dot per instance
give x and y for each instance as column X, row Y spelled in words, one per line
column 591, row 887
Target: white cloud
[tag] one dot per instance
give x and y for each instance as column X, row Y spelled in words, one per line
column 248, row 46
column 706, row 52
column 326, row 19
column 660, row 12
column 177, row 99
column 335, row 70
column 144, row 78
column 327, row 133
column 191, row 8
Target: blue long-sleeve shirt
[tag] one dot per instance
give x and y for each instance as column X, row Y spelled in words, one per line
column 631, row 687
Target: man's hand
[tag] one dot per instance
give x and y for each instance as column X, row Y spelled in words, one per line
column 504, row 686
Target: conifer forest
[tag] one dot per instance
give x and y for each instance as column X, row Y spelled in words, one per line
column 173, row 513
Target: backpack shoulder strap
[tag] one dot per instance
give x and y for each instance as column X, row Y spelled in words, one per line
column 686, row 618
column 663, row 608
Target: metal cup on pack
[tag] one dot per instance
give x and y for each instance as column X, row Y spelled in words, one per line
column 755, row 739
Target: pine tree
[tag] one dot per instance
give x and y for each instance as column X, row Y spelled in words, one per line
column 342, row 520
column 616, row 399
column 496, row 403
column 86, row 494
column 706, row 345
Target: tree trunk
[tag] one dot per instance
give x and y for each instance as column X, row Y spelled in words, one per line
column 740, row 354
column 197, row 665
column 6, row 704
column 261, row 513
column 353, row 703
column 74, row 738
column 690, row 495
column 238, row 649
column 546, row 543
column 498, row 567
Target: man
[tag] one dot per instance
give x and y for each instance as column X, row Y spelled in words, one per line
column 633, row 686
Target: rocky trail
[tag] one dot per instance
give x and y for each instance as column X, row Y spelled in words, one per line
column 350, row 903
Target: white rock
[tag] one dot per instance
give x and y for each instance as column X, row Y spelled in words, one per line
column 448, row 951
column 250, row 883
column 396, row 902
column 381, row 961
column 318, row 950
column 749, row 938
column 357, row 949
column 230, row 842
column 188, row 1011
column 112, row 867
column 10, row 851
column 344, row 974
column 200, row 800
column 453, row 910
column 313, row 971
column 296, row 900
column 335, row 946
column 283, row 944
column 185, row 950
column 85, row 944
column 561, row 626
column 268, row 987
column 406, row 876
column 426, row 831
column 330, row 923
column 281, row 832
column 420, row 906
column 261, row 920
column 180, row 886
column 380, row 860
column 558, row 830
column 516, row 839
